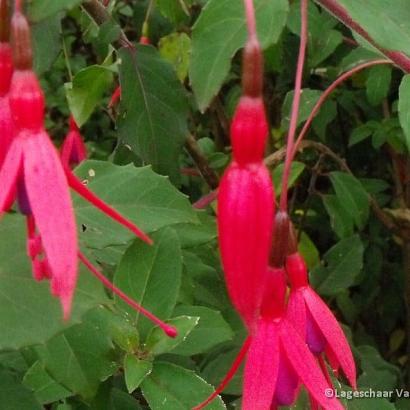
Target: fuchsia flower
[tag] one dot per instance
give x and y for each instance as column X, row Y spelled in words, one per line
column 278, row 358
column 33, row 175
column 315, row 322
column 73, row 150
column 6, row 71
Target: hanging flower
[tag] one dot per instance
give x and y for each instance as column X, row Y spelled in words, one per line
column 73, row 150
column 33, row 175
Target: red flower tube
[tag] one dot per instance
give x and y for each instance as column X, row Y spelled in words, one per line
column 6, row 72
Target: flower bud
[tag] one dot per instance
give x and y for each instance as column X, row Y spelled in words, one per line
column 280, row 240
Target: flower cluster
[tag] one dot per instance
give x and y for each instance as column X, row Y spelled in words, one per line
column 289, row 333
column 34, row 175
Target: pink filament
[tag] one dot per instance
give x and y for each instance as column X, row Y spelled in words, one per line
column 295, row 106
column 250, row 18
column 326, row 94
column 168, row 330
column 231, row 372
column 88, row 195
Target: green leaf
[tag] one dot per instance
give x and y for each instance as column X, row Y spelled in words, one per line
column 404, row 107
column 343, row 263
column 308, row 250
column 174, row 10
column 377, row 373
column 154, row 110
column 388, row 26
column 144, row 197
column 28, row 312
column 219, row 33
column 79, row 358
column 86, row 91
column 151, row 275
column 296, row 170
column 323, row 40
column 158, row 343
column 176, row 48
column 172, row 387
column 308, row 99
column 217, row 368
column 362, row 132
column 378, row 83
column 41, row 9
column 340, row 219
column 120, row 400
column 14, row 396
column 135, row 371
column 212, row 329
column 46, row 43
column 45, row 388
column 352, row 197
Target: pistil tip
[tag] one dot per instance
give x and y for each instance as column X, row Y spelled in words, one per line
column 170, row 331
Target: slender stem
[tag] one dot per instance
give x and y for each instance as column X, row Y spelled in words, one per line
column 169, row 330
column 327, row 93
column 206, row 200
column 250, row 18
column 341, row 13
column 194, row 150
column 100, row 15
column 295, row 105
column 231, row 372
column 89, row 196
column 67, row 60
column 18, row 5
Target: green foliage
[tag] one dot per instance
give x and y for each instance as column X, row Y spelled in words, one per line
column 187, row 82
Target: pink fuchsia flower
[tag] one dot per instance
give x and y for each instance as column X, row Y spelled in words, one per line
column 278, row 361
column 6, row 71
column 34, row 175
column 73, row 150
column 315, row 322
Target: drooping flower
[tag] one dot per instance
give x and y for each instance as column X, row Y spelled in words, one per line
column 33, row 175
column 73, row 150
column 6, row 71
column 277, row 360
column 245, row 196
column 315, row 321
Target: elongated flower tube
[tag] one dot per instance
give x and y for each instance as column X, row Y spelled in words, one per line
column 34, row 175
column 6, row 71
column 246, row 197
column 314, row 320
column 73, row 150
